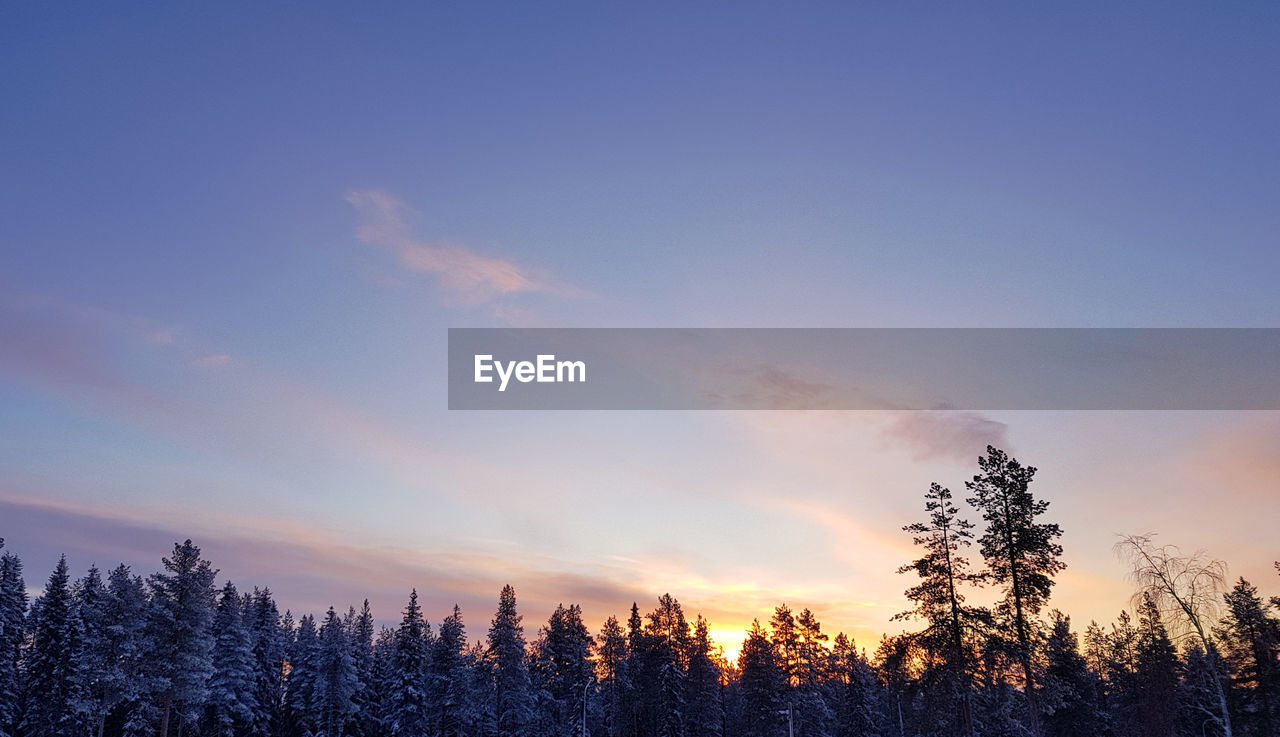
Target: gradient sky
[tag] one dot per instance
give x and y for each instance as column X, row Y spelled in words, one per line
column 233, row 237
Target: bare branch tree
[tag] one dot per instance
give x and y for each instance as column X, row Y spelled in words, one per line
column 1189, row 589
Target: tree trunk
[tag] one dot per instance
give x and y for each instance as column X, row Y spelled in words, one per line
column 164, row 720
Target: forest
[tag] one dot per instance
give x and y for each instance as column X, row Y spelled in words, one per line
column 175, row 654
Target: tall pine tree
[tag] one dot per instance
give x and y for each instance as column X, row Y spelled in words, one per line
column 1022, row 555
column 51, row 678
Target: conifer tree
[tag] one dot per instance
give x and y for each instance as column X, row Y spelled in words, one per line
column 762, row 683
column 51, row 675
column 232, row 704
column 335, row 677
column 13, row 616
column 182, row 602
column 362, row 633
column 300, row 687
column 705, row 704
column 448, row 675
column 1022, row 555
column 409, row 699
column 952, row 627
column 563, row 669
column 611, row 674
column 1070, row 691
column 853, row 691
column 1251, row 642
column 1157, row 674
column 269, row 636
column 513, row 698
column 96, row 662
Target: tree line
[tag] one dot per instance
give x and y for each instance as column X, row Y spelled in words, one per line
column 172, row 654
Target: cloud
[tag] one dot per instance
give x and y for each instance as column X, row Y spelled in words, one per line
column 211, row 360
column 945, row 434
column 467, row 277
column 310, row 569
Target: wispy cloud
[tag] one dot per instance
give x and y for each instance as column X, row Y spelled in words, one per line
column 467, row 277
column 945, row 434
column 211, row 360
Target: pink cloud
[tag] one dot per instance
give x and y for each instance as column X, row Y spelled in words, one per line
column 467, row 277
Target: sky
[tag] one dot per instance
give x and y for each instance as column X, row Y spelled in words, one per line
column 233, row 238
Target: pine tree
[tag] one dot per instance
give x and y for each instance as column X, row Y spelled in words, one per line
column 506, row 650
column 268, row 635
column 1070, row 690
column 854, row 692
column 812, row 713
column 410, row 702
column 182, row 602
column 1251, row 642
column 107, row 671
column 762, row 682
column 51, row 675
column 611, row 674
column 13, row 616
column 1157, row 674
column 448, row 675
column 362, row 632
column 705, row 709
column 381, row 682
column 667, row 633
column 335, row 677
column 127, row 682
column 232, row 704
column 952, row 627
column 300, row 687
column 1021, row 554
column 563, row 670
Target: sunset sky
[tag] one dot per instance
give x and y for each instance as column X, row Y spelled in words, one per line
column 233, row 238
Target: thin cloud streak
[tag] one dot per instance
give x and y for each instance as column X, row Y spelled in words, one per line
column 467, row 277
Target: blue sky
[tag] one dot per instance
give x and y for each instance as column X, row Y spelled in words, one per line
column 233, row 238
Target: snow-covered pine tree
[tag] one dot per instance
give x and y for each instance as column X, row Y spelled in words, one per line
column 479, row 713
column 126, row 635
column 56, row 640
column 1158, row 673
column 1070, row 690
column 668, row 637
column 448, row 677
column 409, row 699
column 705, row 711
column 762, row 684
column 180, row 639
column 853, row 691
column 336, row 681
column 513, row 697
column 95, row 685
column 268, row 641
column 13, row 616
column 232, row 704
column 611, row 674
column 563, row 669
column 300, row 688
column 381, row 681
column 361, row 632
column 1250, row 637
